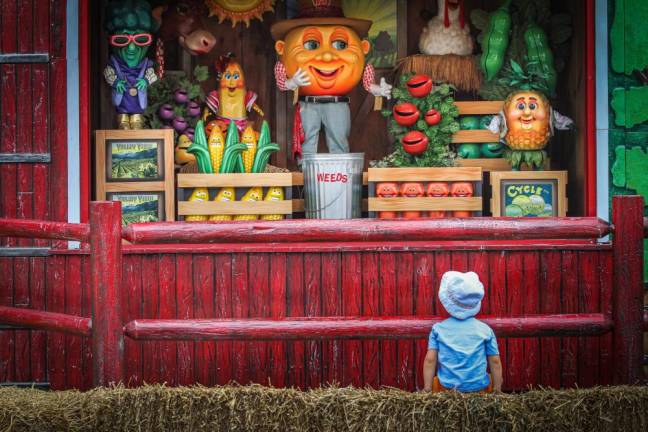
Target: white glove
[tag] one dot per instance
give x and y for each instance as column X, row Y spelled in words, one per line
column 300, row 79
column 383, row 89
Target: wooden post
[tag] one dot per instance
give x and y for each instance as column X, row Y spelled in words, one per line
column 627, row 217
column 105, row 274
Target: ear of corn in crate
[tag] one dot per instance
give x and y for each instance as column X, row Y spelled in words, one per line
column 226, row 194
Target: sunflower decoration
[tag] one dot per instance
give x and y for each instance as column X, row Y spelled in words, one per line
column 239, row 10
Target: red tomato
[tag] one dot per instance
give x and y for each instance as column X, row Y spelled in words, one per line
column 419, row 85
column 432, row 117
column 415, row 142
column 406, row 114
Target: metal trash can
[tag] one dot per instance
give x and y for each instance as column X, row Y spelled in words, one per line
column 333, row 185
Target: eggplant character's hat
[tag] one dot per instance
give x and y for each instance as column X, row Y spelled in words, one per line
column 319, row 12
column 461, row 294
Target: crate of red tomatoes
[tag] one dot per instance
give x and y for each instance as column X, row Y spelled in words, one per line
column 413, row 193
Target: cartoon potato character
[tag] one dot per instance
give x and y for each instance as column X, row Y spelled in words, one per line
column 322, row 56
column 461, row 189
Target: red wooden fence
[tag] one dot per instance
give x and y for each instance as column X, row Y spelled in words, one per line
column 226, row 311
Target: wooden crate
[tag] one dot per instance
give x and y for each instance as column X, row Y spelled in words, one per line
column 241, row 183
column 473, row 175
column 480, row 135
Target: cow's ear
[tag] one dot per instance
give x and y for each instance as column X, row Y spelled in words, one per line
column 157, row 13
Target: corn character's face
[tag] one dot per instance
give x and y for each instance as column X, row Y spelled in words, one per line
column 249, row 136
column 333, row 57
column 274, row 194
column 216, row 137
column 232, row 78
column 200, row 194
column 226, row 194
column 253, row 194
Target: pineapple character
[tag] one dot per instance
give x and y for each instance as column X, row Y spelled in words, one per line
column 274, row 194
column 200, row 194
column 249, row 138
column 224, row 195
column 254, row 194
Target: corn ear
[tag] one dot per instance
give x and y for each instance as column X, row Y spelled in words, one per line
column 249, row 139
column 254, row 194
column 274, row 194
column 198, row 195
column 216, row 148
column 226, row 194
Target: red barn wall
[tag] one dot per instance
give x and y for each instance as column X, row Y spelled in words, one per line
column 313, row 283
column 33, row 117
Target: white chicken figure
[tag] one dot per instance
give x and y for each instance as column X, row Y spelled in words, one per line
column 447, row 32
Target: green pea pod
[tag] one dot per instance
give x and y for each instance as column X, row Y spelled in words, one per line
column 495, row 41
column 539, row 52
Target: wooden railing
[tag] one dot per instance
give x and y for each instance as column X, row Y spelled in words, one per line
column 104, row 234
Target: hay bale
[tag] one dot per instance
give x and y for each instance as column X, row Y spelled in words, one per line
column 256, row 408
column 460, row 71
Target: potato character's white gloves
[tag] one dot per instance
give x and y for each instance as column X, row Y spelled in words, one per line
column 300, row 79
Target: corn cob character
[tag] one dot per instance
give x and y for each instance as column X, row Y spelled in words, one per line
column 274, row 194
column 198, row 195
column 249, row 138
column 226, row 194
column 254, row 194
column 216, row 145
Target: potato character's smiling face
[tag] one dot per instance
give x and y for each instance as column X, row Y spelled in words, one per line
column 462, row 189
column 333, row 57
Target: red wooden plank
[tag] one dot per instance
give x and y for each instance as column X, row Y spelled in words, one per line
column 203, row 286
column 223, row 309
column 606, row 341
column 515, row 287
column 405, row 307
column 388, row 293
column 442, row 264
column 40, row 134
column 73, row 349
column 57, row 28
column 588, row 301
column 58, row 139
column 424, row 305
column 151, row 309
column 569, row 303
column 352, row 306
column 370, row 308
column 478, row 263
column 7, row 337
column 184, row 300
column 21, row 337
column 38, row 341
column 25, row 172
column 295, row 304
column 86, row 311
column 240, row 309
column 55, row 295
column 41, row 23
column 530, row 306
column 259, row 292
column 278, row 362
column 9, row 35
column 133, row 308
column 313, row 307
column 459, row 261
column 331, row 306
column 498, row 301
column 550, row 281
column 8, row 122
column 168, row 356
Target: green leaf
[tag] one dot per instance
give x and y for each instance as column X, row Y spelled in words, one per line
column 480, row 19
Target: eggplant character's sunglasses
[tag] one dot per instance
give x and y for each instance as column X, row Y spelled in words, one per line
column 122, row 40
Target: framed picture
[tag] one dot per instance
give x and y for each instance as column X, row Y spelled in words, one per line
column 529, row 193
column 140, row 206
column 136, row 165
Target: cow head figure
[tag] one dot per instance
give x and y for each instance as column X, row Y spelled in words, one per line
column 185, row 20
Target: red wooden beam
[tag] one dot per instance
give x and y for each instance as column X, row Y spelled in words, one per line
column 44, row 229
column 628, row 220
column 590, row 110
column 363, row 230
column 356, row 328
column 105, row 280
column 42, row 320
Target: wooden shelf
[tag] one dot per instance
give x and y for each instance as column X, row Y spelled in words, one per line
column 475, row 136
column 479, row 107
column 426, row 203
column 186, row 208
column 486, row 164
column 235, row 180
column 448, row 174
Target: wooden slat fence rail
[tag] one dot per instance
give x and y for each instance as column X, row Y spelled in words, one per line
column 387, row 319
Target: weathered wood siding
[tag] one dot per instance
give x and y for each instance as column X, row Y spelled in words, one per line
column 369, row 283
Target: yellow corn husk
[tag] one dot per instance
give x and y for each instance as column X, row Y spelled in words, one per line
column 224, row 195
column 254, row 194
column 198, row 194
column 249, row 138
column 274, row 194
column 216, row 146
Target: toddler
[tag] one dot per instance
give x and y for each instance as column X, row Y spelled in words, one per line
column 462, row 345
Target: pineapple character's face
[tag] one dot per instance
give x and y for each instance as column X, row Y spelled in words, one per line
column 249, row 136
column 274, row 194
column 438, row 190
column 226, row 194
column 387, row 190
column 527, row 119
column 200, row 194
column 461, row 189
column 412, row 190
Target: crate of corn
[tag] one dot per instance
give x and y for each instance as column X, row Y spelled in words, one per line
column 232, row 183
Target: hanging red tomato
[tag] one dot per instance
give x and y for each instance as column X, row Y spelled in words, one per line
column 415, row 142
column 406, row 114
column 419, row 85
column 432, row 117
